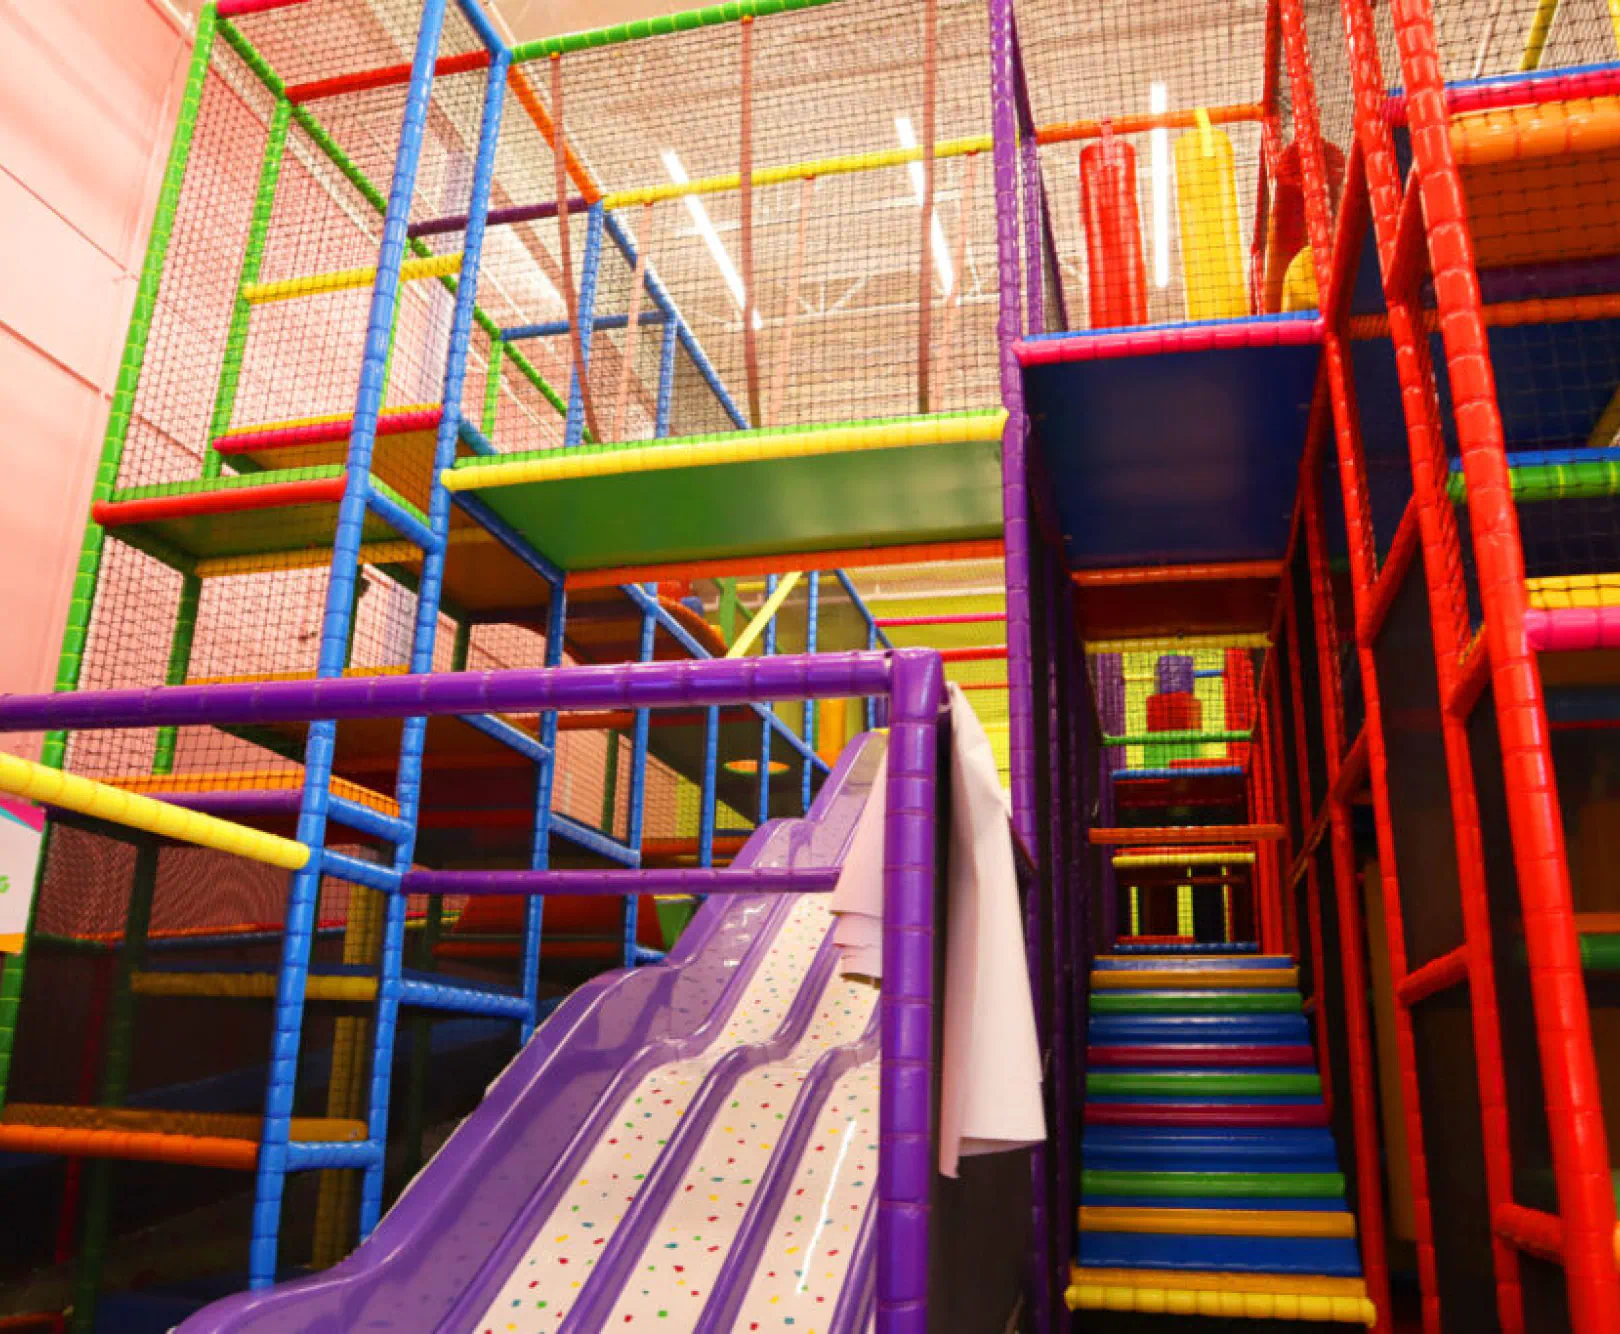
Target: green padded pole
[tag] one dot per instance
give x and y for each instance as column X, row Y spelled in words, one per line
column 492, row 387
column 119, row 415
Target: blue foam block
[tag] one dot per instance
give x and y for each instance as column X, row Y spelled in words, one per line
column 1325, row 1204
column 1244, row 1030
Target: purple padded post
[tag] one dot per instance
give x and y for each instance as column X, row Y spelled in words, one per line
column 1014, row 483
column 906, row 1097
column 1110, row 676
column 1173, row 674
column 527, row 690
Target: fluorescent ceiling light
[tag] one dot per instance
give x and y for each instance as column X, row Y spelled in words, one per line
column 942, row 252
column 1159, row 142
column 711, row 238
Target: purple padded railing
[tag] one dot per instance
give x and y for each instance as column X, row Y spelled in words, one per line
column 704, row 880
column 650, row 685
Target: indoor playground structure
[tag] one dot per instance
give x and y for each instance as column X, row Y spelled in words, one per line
column 559, row 498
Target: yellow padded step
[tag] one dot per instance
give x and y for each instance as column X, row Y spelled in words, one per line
column 1192, row 1293
column 1190, row 979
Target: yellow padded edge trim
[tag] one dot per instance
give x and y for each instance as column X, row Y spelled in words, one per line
column 797, row 171
column 1314, row 1284
column 51, row 787
column 1192, row 979
column 250, row 986
column 752, row 448
column 222, row 1125
column 326, row 419
column 258, row 678
column 1563, row 591
column 1218, row 1222
column 1220, row 1302
column 248, row 780
column 313, row 558
column 1184, row 858
column 316, row 284
column 1177, row 643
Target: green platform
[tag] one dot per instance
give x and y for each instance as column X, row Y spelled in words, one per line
column 945, row 492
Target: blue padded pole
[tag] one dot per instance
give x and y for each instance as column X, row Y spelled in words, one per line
column 767, row 647
column 812, row 612
column 666, row 377
column 474, row 10
column 638, row 783
column 666, row 303
column 545, row 776
column 408, row 789
column 865, row 611
column 574, row 427
column 303, row 893
column 711, row 768
column 560, row 328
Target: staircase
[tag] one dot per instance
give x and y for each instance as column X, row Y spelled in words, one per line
column 1211, row 1186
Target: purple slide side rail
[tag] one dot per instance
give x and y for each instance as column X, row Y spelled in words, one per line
column 450, row 1239
column 748, row 1246
column 906, row 1007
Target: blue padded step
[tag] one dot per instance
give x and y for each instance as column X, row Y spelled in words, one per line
column 1332, row 1257
column 1176, row 1149
column 1246, row 1030
column 1148, row 962
column 1323, row 1204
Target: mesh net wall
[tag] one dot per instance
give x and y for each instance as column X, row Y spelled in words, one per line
column 1480, row 38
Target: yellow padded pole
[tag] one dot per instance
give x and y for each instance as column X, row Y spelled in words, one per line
column 50, row 787
column 318, row 284
column 756, row 627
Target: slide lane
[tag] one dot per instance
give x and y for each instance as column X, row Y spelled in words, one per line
column 749, row 983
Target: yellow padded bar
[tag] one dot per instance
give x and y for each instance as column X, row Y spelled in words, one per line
column 1217, row 1222
column 707, row 451
column 797, row 171
column 317, row 284
column 1564, row 591
column 756, row 627
column 250, row 986
column 1125, row 859
column 1177, row 643
column 224, row 1125
column 324, row 419
column 1193, row 979
column 51, row 787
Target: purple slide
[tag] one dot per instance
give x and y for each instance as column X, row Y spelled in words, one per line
column 636, row 1162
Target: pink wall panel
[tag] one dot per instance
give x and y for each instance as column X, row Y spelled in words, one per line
column 88, row 90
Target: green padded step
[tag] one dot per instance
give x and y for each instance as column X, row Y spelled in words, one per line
column 1219, row 1084
column 1219, row 1185
column 1190, row 1002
